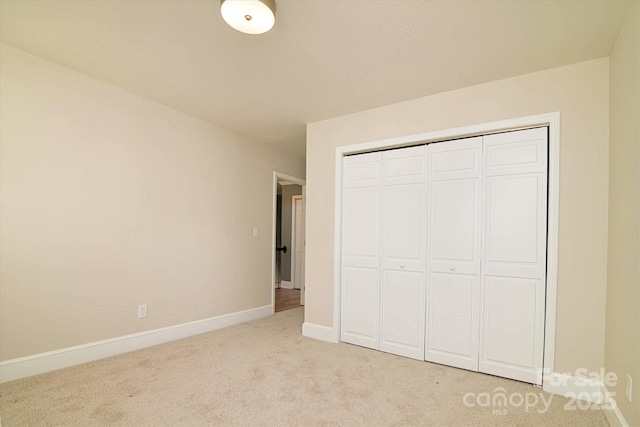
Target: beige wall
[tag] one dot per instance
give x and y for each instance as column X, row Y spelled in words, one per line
column 581, row 93
column 622, row 342
column 109, row 200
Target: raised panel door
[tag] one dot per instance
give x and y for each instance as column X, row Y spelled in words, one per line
column 453, row 267
column 403, row 252
column 361, row 248
column 514, row 265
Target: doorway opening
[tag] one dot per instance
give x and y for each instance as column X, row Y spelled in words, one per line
column 288, row 242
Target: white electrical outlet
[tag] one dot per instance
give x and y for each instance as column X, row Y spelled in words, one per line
column 629, row 388
column 142, row 311
column 256, row 231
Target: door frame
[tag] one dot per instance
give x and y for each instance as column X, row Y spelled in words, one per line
column 552, row 120
column 304, row 244
column 294, row 242
column 277, row 176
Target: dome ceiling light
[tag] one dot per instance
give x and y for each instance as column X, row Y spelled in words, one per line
column 249, row 16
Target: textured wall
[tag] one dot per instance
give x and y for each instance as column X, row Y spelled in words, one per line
column 109, row 200
column 622, row 345
column 580, row 93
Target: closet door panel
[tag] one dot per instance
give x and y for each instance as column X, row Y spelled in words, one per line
column 452, row 329
column 361, row 228
column 361, row 241
column 515, row 225
column 363, row 170
column 454, row 225
column 510, row 323
column 461, row 158
column 506, row 153
column 402, row 313
column 514, row 266
column 361, row 302
column 512, row 218
column 452, row 305
column 404, row 252
column 404, row 165
column 404, row 227
column 404, row 210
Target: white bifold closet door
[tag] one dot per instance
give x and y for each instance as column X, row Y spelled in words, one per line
column 453, row 269
column 403, row 252
column 361, row 247
column 444, row 252
column 384, row 251
column 514, row 254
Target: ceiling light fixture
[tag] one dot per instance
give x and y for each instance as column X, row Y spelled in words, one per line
column 249, row 16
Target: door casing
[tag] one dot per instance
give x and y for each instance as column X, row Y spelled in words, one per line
column 278, row 176
column 295, row 244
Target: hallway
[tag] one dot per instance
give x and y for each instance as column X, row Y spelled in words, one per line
column 287, row 299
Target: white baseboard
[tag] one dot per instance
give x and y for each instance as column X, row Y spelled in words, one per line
column 585, row 389
column 611, row 410
column 574, row 387
column 50, row 361
column 286, row 285
column 319, row 332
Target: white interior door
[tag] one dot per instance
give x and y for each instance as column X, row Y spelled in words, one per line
column 361, row 231
column 514, row 265
column 403, row 252
column 453, row 267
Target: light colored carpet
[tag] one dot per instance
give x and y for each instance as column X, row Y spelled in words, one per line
column 266, row 373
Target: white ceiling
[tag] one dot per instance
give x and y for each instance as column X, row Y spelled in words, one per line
column 323, row 59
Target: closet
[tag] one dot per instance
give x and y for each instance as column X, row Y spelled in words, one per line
column 444, row 252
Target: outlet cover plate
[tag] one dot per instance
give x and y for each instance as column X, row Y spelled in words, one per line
column 142, row 311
